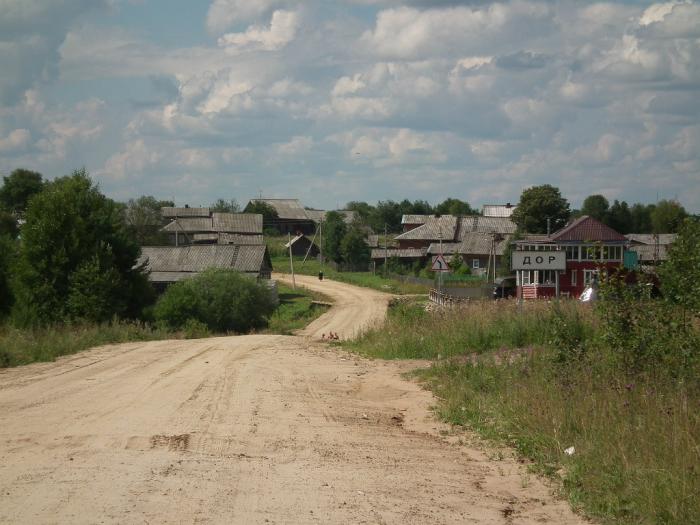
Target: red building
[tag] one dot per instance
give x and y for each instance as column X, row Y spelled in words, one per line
column 589, row 244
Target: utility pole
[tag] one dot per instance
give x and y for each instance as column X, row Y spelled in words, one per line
column 385, row 250
column 291, row 261
column 320, row 243
column 441, row 257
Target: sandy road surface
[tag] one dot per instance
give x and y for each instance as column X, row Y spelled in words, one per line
column 253, row 429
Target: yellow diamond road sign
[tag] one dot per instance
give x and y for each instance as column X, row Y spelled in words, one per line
column 439, row 264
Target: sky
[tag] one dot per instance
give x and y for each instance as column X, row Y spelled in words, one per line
column 330, row 101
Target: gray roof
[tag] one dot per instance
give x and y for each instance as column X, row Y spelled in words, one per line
column 237, row 222
column 172, row 212
column 473, row 243
column 320, row 215
column 219, row 222
column 373, row 240
column 167, row 261
column 650, row 238
column 414, row 219
column 477, row 223
column 433, row 229
column 290, row 209
column 294, row 240
column 189, row 225
column 497, row 210
column 235, row 238
column 407, row 253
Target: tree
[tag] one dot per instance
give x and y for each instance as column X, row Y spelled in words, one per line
column 596, row 206
column 641, row 217
column 362, row 209
column 680, row 274
column 76, row 253
column 334, row 229
column 223, row 206
column 18, row 188
column 270, row 215
column 667, row 216
column 386, row 213
column 8, row 249
column 537, row 205
column 354, row 248
column 8, row 224
column 452, row 206
column 620, row 217
column 144, row 218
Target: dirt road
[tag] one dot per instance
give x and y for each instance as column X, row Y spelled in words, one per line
column 253, row 429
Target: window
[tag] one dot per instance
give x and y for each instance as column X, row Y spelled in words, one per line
column 590, row 253
column 475, row 264
column 572, row 253
column 589, row 276
column 528, row 277
column 548, row 277
column 574, row 275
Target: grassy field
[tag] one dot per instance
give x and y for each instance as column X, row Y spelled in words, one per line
column 365, row 279
column 543, row 380
column 296, row 310
column 24, row 346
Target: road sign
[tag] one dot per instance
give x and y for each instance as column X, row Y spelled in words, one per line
column 538, row 260
column 440, row 264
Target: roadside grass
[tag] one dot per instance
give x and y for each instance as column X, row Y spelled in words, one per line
column 24, row 346
column 522, row 378
column 364, row 279
column 297, row 309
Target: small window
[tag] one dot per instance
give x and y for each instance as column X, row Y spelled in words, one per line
column 589, row 276
column 574, row 274
column 475, row 264
column 572, row 253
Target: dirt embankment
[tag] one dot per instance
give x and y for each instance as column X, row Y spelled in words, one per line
column 252, row 429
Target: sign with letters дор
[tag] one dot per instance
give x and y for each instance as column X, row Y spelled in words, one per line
column 537, row 260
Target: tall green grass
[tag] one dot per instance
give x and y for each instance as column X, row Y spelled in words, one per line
column 547, row 378
column 24, row 346
column 297, row 309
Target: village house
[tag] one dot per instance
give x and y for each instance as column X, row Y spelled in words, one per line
column 169, row 264
column 589, row 244
column 498, row 210
column 302, row 246
column 651, row 248
column 202, row 226
column 479, row 251
column 295, row 219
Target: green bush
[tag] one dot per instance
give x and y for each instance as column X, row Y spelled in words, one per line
column 222, row 300
column 7, row 251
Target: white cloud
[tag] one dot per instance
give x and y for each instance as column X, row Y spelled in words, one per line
column 222, row 14
column 283, row 28
column 298, row 145
column 16, row 140
column 406, row 32
column 657, row 12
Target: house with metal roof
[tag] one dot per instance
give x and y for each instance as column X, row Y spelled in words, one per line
column 478, row 250
column 449, row 228
column 294, row 218
column 651, row 248
column 589, row 245
column 169, row 264
column 191, row 226
column 498, row 210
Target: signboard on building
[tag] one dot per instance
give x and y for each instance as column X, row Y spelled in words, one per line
column 538, row 260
